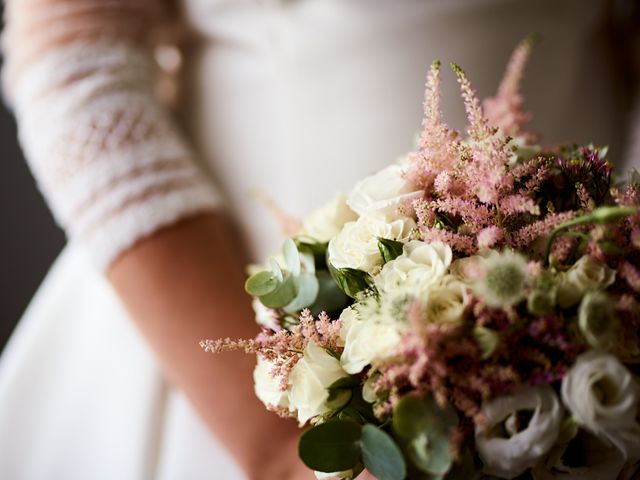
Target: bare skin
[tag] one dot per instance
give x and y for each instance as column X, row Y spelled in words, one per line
column 184, row 284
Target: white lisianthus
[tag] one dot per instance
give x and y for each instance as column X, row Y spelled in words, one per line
column 334, row 475
column 508, row 457
column 267, row 387
column 420, row 266
column 356, row 246
column 383, row 194
column 447, row 301
column 265, row 316
column 586, row 275
column 310, row 379
column 326, row 222
column 604, row 399
column 367, row 339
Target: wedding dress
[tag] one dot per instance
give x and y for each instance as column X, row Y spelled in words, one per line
column 294, row 99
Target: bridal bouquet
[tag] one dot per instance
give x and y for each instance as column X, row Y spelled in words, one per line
column 471, row 311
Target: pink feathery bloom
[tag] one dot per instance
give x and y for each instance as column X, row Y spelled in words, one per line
column 586, row 202
column 631, row 275
column 475, row 216
column 513, row 204
column 458, row 242
column 506, row 109
column 526, row 235
column 490, row 236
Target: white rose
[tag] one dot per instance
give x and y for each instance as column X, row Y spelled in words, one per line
column 586, row 275
column 326, row 222
column 508, row 457
column 267, row 387
column 383, row 193
column 420, row 266
column 447, row 302
column 603, row 397
column 366, row 340
column 356, row 246
column 310, row 379
column 265, row 316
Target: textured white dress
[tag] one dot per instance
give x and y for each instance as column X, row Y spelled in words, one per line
column 297, row 99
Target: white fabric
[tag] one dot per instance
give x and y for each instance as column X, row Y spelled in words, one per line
column 297, row 99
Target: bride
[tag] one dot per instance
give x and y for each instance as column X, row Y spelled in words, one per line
column 151, row 126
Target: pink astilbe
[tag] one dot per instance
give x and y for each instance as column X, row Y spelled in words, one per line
column 285, row 347
column 526, row 235
column 630, row 274
column 490, row 236
column 513, row 204
column 506, row 109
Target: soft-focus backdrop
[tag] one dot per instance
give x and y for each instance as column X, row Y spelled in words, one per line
column 29, row 239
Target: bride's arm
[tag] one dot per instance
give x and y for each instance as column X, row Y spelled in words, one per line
column 121, row 181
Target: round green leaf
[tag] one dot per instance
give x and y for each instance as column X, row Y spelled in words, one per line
column 282, row 295
column 307, row 288
column 262, row 283
column 380, row 454
column 331, row 447
column 291, row 257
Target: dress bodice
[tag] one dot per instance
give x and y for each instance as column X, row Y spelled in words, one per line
column 298, row 99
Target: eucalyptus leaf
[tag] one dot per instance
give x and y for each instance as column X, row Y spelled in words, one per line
column 307, row 290
column 276, row 269
column 281, row 296
column 381, row 455
column 261, row 283
column 291, row 257
column 389, row 249
column 330, row 297
column 333, row 446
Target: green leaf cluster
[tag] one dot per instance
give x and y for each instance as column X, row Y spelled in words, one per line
column 340, row 445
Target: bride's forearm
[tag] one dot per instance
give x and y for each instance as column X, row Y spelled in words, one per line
column 185, row 284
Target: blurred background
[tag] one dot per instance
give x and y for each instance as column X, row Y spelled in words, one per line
column 29, row 239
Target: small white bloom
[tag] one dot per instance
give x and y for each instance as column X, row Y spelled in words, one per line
column 265, row 316
column 504, row 280
column 420, row 266
column 383, row 193
column 334, row 475
column 367, row 338
column 356, row 246
column 604, row 399
column 586, row 275
column 310, row 379
column 326, row 222
column 523, row 448
column 267, row 387
column 447, row 301
column 597, row 320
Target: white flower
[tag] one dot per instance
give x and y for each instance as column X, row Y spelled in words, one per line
column 523, row 447
column 603, row 397
column 420, row 266
column 356, row 246
column 310, row 379
column 367, row 338
column 597, row 320
column 267, row 387
column 334, row 475
column 326, row 222
column 505, row 279
column 447, row 301
column 383, row 193
column 265, row 316
column 587, row 274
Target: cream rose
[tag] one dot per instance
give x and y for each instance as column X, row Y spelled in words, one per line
column 310, row 379
column 604, row 399
column 334, row 475
column 367, row 340
column 356, row 246
column 265, row 316
column 326, row 222
column 508, row 457
column 420, row 266
column 267, row 387
column 587, row 274
column 383, row 194
column 447, row 301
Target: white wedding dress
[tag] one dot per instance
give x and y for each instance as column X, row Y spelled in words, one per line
column 297, row 99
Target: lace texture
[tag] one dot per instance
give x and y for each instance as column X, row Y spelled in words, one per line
column 106, row 155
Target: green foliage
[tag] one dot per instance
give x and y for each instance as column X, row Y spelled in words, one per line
column 486, row 339
column 333, row 446
column 350, row 280
column 330, row 297
column 389, row 249
column 424, row 428
column 381, row 455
